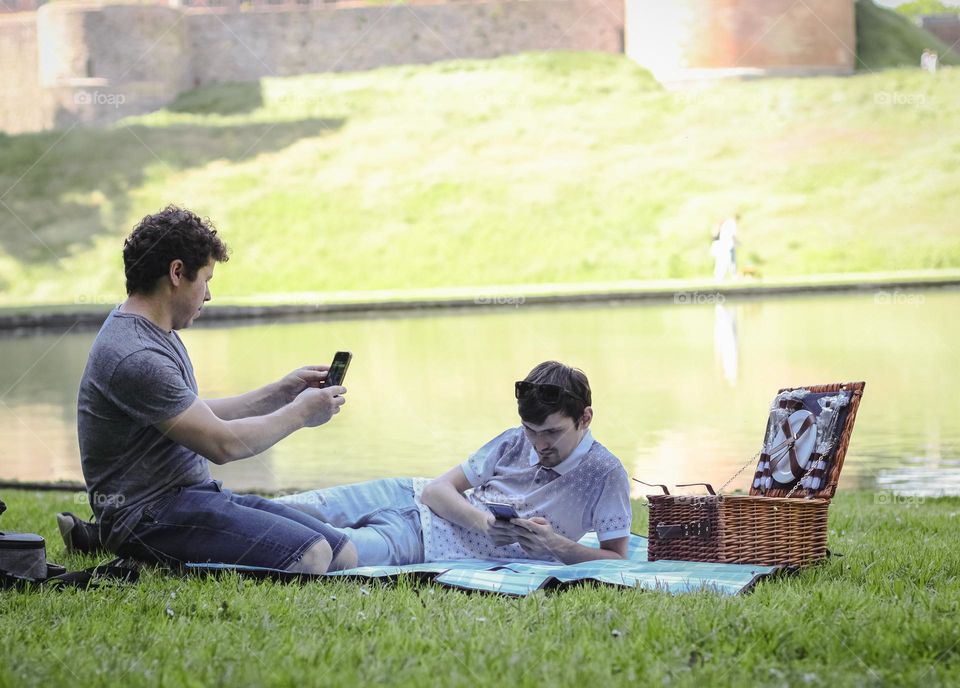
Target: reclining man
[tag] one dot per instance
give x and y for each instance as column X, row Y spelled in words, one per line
column 146, row 437
column 561, row 482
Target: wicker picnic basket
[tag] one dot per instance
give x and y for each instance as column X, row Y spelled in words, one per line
column 783, row 520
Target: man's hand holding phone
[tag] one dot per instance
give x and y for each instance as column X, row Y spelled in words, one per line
column 320, row 405
column 291, row 384
column 322, row 394
column 498, row 526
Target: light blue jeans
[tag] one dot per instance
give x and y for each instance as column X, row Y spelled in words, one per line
column 380, row 517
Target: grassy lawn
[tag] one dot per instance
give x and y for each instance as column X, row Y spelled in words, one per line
column 885, row 613
column 916, row 8
column 537, row 168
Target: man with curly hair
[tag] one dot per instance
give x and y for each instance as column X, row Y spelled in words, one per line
column 146, row 437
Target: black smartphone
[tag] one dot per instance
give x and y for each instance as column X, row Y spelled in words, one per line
column 338, row 369
column 502, row 512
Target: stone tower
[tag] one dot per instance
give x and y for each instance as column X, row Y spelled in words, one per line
column 680, row 40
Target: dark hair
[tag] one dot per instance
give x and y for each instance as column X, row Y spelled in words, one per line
column 159, row 239
column 555, row 373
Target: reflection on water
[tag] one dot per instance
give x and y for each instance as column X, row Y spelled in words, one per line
column 725, row 344
column 681, row 391
column 922, row 482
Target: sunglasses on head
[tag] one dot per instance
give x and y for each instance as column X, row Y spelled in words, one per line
column 545, row 393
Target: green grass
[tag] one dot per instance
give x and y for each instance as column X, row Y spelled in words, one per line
column 887, row 38
column 537, row 168
column 885, row 613
column 916, row 8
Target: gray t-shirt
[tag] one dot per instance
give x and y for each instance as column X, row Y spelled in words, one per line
column 137, row 375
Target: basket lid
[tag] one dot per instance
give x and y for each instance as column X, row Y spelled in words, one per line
column 806, row 440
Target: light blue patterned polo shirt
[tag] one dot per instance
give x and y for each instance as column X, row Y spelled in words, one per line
column 587, row 491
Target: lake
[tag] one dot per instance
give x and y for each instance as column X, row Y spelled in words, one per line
column 681, row 390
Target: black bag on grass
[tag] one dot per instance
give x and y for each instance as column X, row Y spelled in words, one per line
column 23, row 560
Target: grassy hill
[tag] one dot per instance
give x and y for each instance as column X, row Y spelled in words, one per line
column 887, row 38
column 916, row 8
column 532, row 168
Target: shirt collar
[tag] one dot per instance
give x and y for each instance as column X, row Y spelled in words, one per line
column 572, row 461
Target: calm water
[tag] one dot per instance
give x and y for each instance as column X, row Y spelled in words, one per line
column 681, row 392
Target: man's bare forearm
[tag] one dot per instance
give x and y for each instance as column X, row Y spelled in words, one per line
column 258, row 402
column 245, row 437
column 447, row 503
column 571, row 552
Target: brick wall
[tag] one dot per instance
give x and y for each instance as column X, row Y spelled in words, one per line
column 95, row 64
column 683, row 38
column 241, row 46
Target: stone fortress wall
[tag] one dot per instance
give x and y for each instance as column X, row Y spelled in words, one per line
column 94, row 63
column 90, row 63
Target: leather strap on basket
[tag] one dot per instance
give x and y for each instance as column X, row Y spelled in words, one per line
column 674, row 531
column 709, row 487
column 795, row 466
column 764, row 472
column 810, row 471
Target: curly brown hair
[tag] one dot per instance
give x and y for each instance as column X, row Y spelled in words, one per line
column 159, row 239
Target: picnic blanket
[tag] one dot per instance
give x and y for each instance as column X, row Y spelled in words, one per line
column 524, row 577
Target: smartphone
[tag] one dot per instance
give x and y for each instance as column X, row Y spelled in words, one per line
column 502, row 512
column 338, row 369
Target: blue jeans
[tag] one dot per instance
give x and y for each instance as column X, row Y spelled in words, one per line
column 207, row 523
column 380, row 517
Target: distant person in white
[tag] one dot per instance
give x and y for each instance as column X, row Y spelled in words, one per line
column 724, row 249
column 929, row 60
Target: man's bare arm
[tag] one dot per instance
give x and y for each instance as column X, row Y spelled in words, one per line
column 222, row 441
column 258, row 402
column 444, row 496
column 269, row 398
column 539, row 540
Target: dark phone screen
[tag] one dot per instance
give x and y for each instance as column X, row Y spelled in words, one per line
column 338, row 369
column 503, row 512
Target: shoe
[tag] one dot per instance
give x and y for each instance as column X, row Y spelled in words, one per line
column 79, row 535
